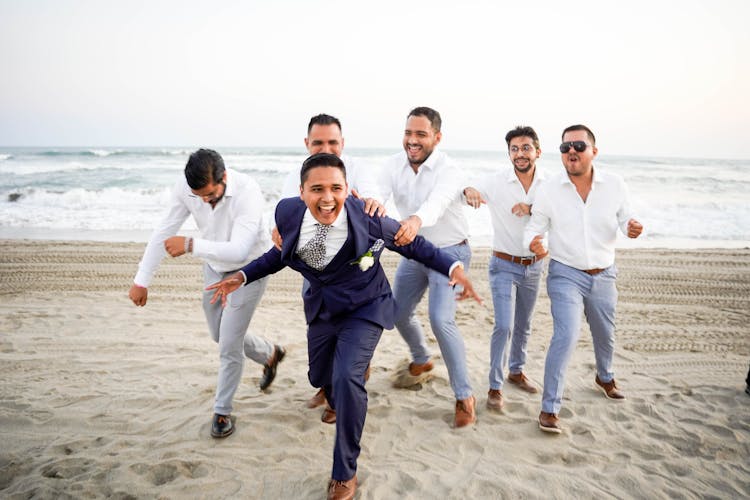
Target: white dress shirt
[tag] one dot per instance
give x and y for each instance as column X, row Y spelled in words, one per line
column 502, row 191
column 581, row 235
column 434, row 194
column 364, row 180
column 335, row 238
column 232, row 233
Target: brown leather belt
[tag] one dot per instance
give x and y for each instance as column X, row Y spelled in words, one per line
column 524, row 261
column 592, row 272
column 464, row 242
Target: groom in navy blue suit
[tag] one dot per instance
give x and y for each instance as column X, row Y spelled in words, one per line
column 332, row 242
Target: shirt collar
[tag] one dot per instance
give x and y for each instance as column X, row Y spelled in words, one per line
column 598, row 179
column 230, row 184
column 429, row 163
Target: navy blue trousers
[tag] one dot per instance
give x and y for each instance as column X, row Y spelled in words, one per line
column 339, row 351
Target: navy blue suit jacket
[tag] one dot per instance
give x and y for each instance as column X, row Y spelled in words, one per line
column 342, row 289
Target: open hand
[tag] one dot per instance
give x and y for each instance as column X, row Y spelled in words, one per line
column 225, row 287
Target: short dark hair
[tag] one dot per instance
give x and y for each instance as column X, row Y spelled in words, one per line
column 429, row 113
column 320, row 160
column 203, row 167
column 522, row 131
column 323, row 119
column 573, row 128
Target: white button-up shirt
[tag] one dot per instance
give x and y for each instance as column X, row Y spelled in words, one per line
column 434, row 194
column 365, row 180
column 232, row 233
column 581, row 235
column 502, row 191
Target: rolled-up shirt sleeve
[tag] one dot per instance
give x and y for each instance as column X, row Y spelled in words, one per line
column 155, row 252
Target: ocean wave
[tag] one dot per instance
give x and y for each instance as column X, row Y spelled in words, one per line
column 4, row 157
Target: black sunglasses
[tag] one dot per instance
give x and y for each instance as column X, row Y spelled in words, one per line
column 579, row 146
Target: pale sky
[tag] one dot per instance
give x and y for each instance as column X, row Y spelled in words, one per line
column 656, row 78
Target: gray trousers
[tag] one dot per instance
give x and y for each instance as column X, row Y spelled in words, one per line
column 228, row 327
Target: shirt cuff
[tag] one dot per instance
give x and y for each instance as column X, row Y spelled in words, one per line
column 456, row 264
column 244, row 277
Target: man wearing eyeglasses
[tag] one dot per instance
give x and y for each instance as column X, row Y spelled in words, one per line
column 582, row 210
column 227, row 207
column 514, row 271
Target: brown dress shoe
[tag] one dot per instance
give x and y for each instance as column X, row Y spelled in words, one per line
column 495, row 400
column 610, row 389
column 329, row 415
column 416, row 370
column 523, row 383
column 318, row 400
column 548, row 422
column 465, row 412
column 342, row 490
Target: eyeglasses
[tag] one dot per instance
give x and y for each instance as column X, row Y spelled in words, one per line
column 579, row 146
column 526, row 148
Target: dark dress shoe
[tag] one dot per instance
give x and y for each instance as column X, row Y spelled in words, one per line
column 222, row 426
column 269, row 369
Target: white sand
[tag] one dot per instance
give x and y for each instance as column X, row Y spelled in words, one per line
column 99, row 398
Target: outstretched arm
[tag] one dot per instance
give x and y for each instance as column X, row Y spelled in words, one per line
column 225, row 287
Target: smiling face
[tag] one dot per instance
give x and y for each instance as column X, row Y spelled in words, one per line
column 325, row 139
column 578, row 163
column 523, row 153
column 324, row 192
column 420, row 139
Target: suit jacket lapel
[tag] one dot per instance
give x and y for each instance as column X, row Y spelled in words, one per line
column 358, row 226
column 291, row 229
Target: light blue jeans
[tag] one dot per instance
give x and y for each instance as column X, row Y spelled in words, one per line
column 515, row 288
column 228, row 327
column 573, row 293
column 409, row 285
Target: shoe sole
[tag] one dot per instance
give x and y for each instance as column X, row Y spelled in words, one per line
column 600, row 388
column 551, row 430
column 219, row 436
column 495, row 408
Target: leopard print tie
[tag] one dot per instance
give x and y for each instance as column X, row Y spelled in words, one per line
column 313, row 252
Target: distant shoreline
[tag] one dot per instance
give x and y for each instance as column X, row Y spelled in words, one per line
column 141, row 236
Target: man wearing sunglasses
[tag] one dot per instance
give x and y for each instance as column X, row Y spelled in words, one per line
column 581, row 209
column 514, row 271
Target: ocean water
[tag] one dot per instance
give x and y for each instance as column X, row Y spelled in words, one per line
column 120, row 194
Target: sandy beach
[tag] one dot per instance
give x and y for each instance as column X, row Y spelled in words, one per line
column 99, row 398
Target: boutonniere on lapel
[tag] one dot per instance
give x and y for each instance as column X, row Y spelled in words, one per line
column 367, row 260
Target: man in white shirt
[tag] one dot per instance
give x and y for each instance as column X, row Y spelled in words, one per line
column 582, row 209
column 426, row 186
column 324, row 136
column 227, row 207
column 514, row 271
